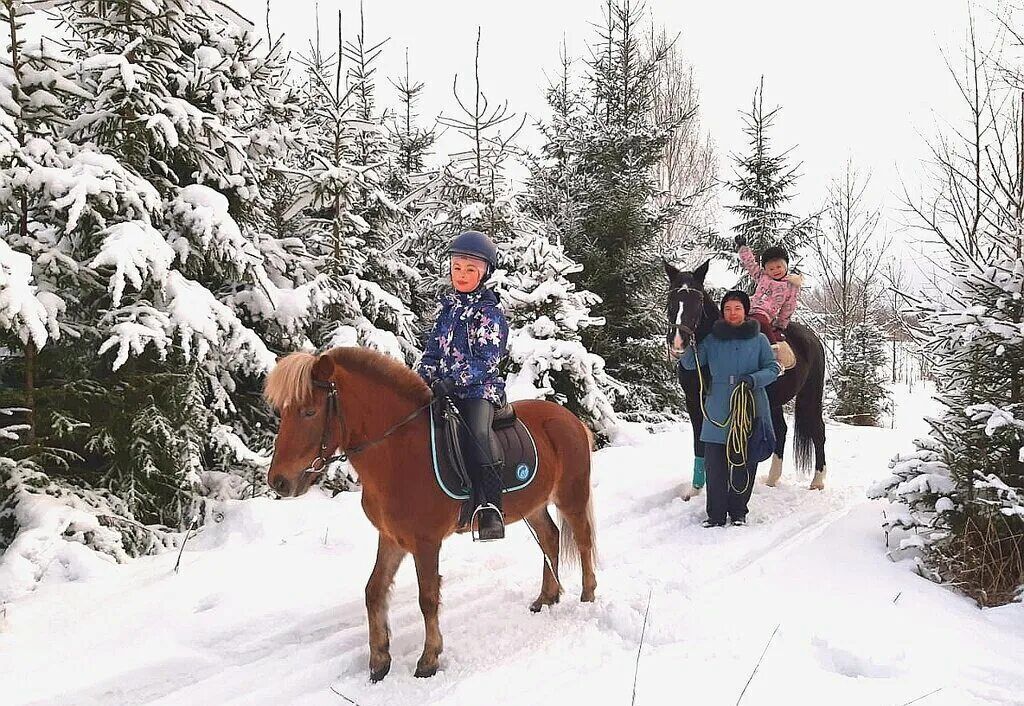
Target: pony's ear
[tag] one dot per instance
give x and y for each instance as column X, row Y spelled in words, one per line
column 701, row 272
column 671, row 271
column 323, row 368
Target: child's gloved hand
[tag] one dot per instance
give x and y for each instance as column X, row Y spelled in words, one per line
column 795, row 279
column 740, row 240
column 442, row 387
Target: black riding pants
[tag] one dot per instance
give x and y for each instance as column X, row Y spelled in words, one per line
column 729, row 489
column 480, row 449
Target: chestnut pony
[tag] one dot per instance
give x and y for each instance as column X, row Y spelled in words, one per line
column 373, row 418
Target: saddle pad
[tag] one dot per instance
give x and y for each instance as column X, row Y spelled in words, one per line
column 517, row 446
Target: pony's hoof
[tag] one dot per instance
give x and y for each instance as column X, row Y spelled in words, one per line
column 775, row 473
column 587, row 597
column 542, row 601
column 819, row 480
column 425, row 671
column 380, row 672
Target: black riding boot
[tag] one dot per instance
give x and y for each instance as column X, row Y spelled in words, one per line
column 484, row 467
column 490, row 521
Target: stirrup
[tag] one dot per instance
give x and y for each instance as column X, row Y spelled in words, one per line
column 474, row 524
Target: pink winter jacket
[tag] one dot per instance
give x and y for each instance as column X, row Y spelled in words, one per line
column 775, row 298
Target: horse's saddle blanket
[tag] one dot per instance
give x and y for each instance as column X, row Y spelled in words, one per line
column 518, row 450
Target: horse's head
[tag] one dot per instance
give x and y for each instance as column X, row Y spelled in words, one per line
column 685, row 305
column 301, row 388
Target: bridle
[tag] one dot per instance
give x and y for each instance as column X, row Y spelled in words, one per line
column 331, row 408
column 681, row 328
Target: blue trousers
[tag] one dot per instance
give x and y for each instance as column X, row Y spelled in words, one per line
column 728, row 489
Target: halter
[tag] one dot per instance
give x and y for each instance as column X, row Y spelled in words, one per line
column 331, row 407
column 678, row 325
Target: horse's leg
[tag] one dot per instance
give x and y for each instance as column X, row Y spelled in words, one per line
column 581, row 522
column 693, row 409
column 820, row 470
column 429, row 579
column 389, row 557
column 779, row 424
column 547, row 534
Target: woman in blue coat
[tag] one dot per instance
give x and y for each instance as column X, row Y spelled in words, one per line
column 737, row 353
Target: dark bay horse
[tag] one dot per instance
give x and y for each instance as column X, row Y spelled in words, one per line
column 349, row 399
column 691, row 313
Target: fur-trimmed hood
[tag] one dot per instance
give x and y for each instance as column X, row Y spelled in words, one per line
column 725, row 331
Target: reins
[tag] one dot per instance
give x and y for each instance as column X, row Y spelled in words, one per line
column 331, row 408
column 740, row 422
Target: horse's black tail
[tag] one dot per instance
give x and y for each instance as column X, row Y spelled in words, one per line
column 809, row 424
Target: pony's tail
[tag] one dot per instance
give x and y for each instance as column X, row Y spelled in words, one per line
column 808, row 413
column 569, row 550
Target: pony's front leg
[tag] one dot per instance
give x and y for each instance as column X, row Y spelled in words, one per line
column 389, row 558
column 426, row 556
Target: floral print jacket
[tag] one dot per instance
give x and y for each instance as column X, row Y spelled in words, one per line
column 467, row 344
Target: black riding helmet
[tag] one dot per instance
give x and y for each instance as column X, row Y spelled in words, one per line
column 737, row 295
column 473, row 243
column 774, row 253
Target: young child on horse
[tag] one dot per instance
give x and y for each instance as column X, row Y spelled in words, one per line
column 461, row 360
column 776, row 290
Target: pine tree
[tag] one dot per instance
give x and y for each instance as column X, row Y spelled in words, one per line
column 764, row 183
column 962, row 491
column 858, row 384
column 601, row 154
column 349, row 222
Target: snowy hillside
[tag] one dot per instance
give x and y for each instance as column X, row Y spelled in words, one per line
column 268, row 607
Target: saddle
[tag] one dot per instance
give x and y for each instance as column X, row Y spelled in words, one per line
column 518, row 452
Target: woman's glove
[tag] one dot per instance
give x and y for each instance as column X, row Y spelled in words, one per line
column 740, row 240
column 442, row 387
column 747, row 380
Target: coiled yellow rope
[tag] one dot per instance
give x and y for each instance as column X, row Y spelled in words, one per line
column 740, row 422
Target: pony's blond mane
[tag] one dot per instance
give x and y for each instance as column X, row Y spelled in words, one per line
column 290, row 383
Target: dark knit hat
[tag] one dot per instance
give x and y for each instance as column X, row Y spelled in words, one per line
column 737, row 295
column 774, row 253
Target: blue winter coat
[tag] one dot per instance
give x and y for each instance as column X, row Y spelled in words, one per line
column 467, row 344
column 731, row 351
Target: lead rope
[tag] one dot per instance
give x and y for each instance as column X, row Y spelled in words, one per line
column 740, row 423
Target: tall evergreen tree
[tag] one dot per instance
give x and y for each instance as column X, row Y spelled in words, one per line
column 601, row 153
column 764, row 183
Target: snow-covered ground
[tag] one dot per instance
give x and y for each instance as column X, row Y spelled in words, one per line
column 268, row 607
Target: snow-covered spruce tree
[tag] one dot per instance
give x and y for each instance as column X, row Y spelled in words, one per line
column 58, row 204
column 858, row 382
column 764, row 183
column 546, row 312
column 348, row 222
column 850, row 304
column 412, row 142
column 962, row 491
column 601, row 154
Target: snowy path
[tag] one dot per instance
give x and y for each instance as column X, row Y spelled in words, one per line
column 268, row 608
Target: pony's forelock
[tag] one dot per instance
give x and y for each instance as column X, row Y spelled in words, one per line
column 290, row 383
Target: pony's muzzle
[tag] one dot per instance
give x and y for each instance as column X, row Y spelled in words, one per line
column 284, row 487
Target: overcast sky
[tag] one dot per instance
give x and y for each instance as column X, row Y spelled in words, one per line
column 863, row 80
